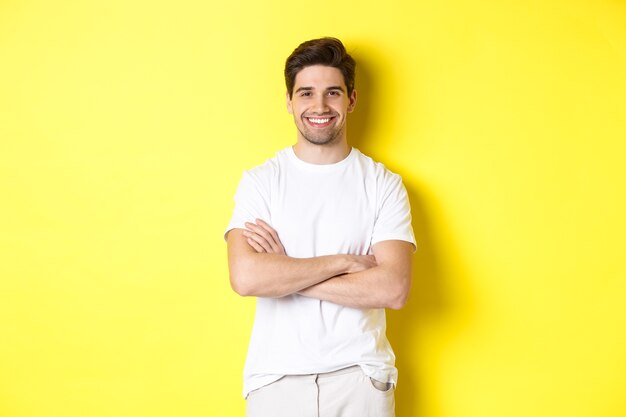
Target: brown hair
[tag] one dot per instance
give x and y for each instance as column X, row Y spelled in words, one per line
column 324, row 51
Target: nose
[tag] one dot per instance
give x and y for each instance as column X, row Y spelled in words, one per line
column 320, row 106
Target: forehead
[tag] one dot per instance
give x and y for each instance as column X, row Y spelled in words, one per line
column 319, row 76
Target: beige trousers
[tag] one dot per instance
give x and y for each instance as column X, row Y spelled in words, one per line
column 344, row 393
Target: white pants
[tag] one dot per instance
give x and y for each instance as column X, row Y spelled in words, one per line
column 344, row 393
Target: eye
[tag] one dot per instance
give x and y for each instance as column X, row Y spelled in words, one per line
column 334, row 93
column 305, row 94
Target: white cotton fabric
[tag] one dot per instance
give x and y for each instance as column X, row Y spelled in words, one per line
column 341, row 208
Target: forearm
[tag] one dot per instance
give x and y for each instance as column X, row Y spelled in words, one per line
column 274, row 275
column 377, row 287
column 271, row 273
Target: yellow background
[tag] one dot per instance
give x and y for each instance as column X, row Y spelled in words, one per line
column 124, row 129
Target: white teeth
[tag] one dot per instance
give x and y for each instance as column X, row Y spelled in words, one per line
column 319, row 121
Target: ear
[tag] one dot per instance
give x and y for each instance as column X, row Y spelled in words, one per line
column 289, row 108
column 352, row 102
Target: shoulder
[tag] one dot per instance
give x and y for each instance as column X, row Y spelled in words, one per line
column 383, row 175
column 268, row 166
column 268, row 169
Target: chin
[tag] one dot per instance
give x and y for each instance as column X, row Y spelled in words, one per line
column 321, row 141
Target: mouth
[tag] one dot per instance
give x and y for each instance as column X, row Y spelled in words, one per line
column 319, row 122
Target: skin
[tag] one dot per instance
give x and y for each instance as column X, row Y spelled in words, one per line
column 320, row 92
column 274, row 274
column 258, row 263
column 381, row 281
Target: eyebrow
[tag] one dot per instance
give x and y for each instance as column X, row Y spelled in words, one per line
column 334, row 87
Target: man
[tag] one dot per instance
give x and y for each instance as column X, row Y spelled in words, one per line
column 321, row 235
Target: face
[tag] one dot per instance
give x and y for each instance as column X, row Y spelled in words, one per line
column 320, row 105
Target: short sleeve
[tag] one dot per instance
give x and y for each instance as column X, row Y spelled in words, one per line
column 251, row 202
column 393, row 221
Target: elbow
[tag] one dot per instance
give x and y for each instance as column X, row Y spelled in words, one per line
column 240, row 286
column 397, row 303
column 240, row 281
column 399, row 296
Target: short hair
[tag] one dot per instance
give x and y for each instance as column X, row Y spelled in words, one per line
column 323, row 51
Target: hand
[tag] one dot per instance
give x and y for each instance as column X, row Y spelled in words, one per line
column 360, row 263
column 263, row 238
column 356, row 263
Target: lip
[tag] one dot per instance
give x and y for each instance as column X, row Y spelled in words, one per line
column 328, row 122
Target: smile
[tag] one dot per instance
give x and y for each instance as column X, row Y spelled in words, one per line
column 319, row 121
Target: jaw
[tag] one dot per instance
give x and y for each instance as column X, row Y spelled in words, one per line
column 326, row 129
column 321, row 136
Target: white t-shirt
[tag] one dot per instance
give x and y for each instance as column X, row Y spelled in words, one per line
column 341, row 208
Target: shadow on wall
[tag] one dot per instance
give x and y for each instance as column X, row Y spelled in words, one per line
column 427, row 303
column 358, row 133
column 406, row 328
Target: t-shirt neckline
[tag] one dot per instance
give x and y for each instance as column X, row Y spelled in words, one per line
column 291, row 154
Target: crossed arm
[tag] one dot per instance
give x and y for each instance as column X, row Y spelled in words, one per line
column 259, row 267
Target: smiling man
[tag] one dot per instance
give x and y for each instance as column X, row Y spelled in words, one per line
column 321, row 235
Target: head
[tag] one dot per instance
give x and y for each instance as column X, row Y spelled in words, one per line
column 328, row 52
column 320, row 90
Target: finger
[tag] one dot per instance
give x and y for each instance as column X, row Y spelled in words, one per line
column 255, row 246
column 253, row 227
column 269, row 229
column 261, row 231
column 264, row 225
column 277, row 245
column 260, row 240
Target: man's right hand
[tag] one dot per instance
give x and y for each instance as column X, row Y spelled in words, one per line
column 264, row 239
column 261, row 268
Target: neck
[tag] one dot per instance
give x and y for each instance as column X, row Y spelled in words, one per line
column 329, row 153
column 321, row 154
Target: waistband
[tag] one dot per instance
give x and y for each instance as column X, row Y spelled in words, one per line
column 349, row 370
